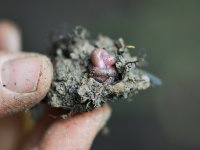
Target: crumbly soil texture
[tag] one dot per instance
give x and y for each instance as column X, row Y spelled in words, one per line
column 75, row 88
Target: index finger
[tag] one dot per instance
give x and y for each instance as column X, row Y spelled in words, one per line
column 10, row 37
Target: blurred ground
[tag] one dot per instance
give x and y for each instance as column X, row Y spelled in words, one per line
column 166, row 118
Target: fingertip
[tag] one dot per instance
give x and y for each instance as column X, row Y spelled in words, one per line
column 77, row 132
column 25, row 83
column 45, row 79
column 10, row 37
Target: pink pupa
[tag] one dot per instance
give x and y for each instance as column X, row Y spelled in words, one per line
column 102, row 67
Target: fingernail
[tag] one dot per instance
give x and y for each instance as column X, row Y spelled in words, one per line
column 21, row 75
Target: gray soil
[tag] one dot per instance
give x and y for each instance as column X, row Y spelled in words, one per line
column 74, row 88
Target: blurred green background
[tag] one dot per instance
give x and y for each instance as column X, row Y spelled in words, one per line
column 163, row 118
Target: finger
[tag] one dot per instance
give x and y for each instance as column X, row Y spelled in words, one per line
column 10, row 128
column 87, row 124
column 10, row 37
column 32, row 139
column 77, row 132
column 24, row 81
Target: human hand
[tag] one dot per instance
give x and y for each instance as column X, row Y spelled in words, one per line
column 25, row 79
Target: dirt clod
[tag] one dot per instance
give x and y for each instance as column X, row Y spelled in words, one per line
column 76, row 88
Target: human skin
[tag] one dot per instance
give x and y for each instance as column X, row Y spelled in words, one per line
column 25, row 79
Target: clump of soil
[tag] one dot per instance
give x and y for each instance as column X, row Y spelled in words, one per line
column 75, row 87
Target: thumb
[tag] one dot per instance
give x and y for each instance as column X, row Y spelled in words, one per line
column 24, row 80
